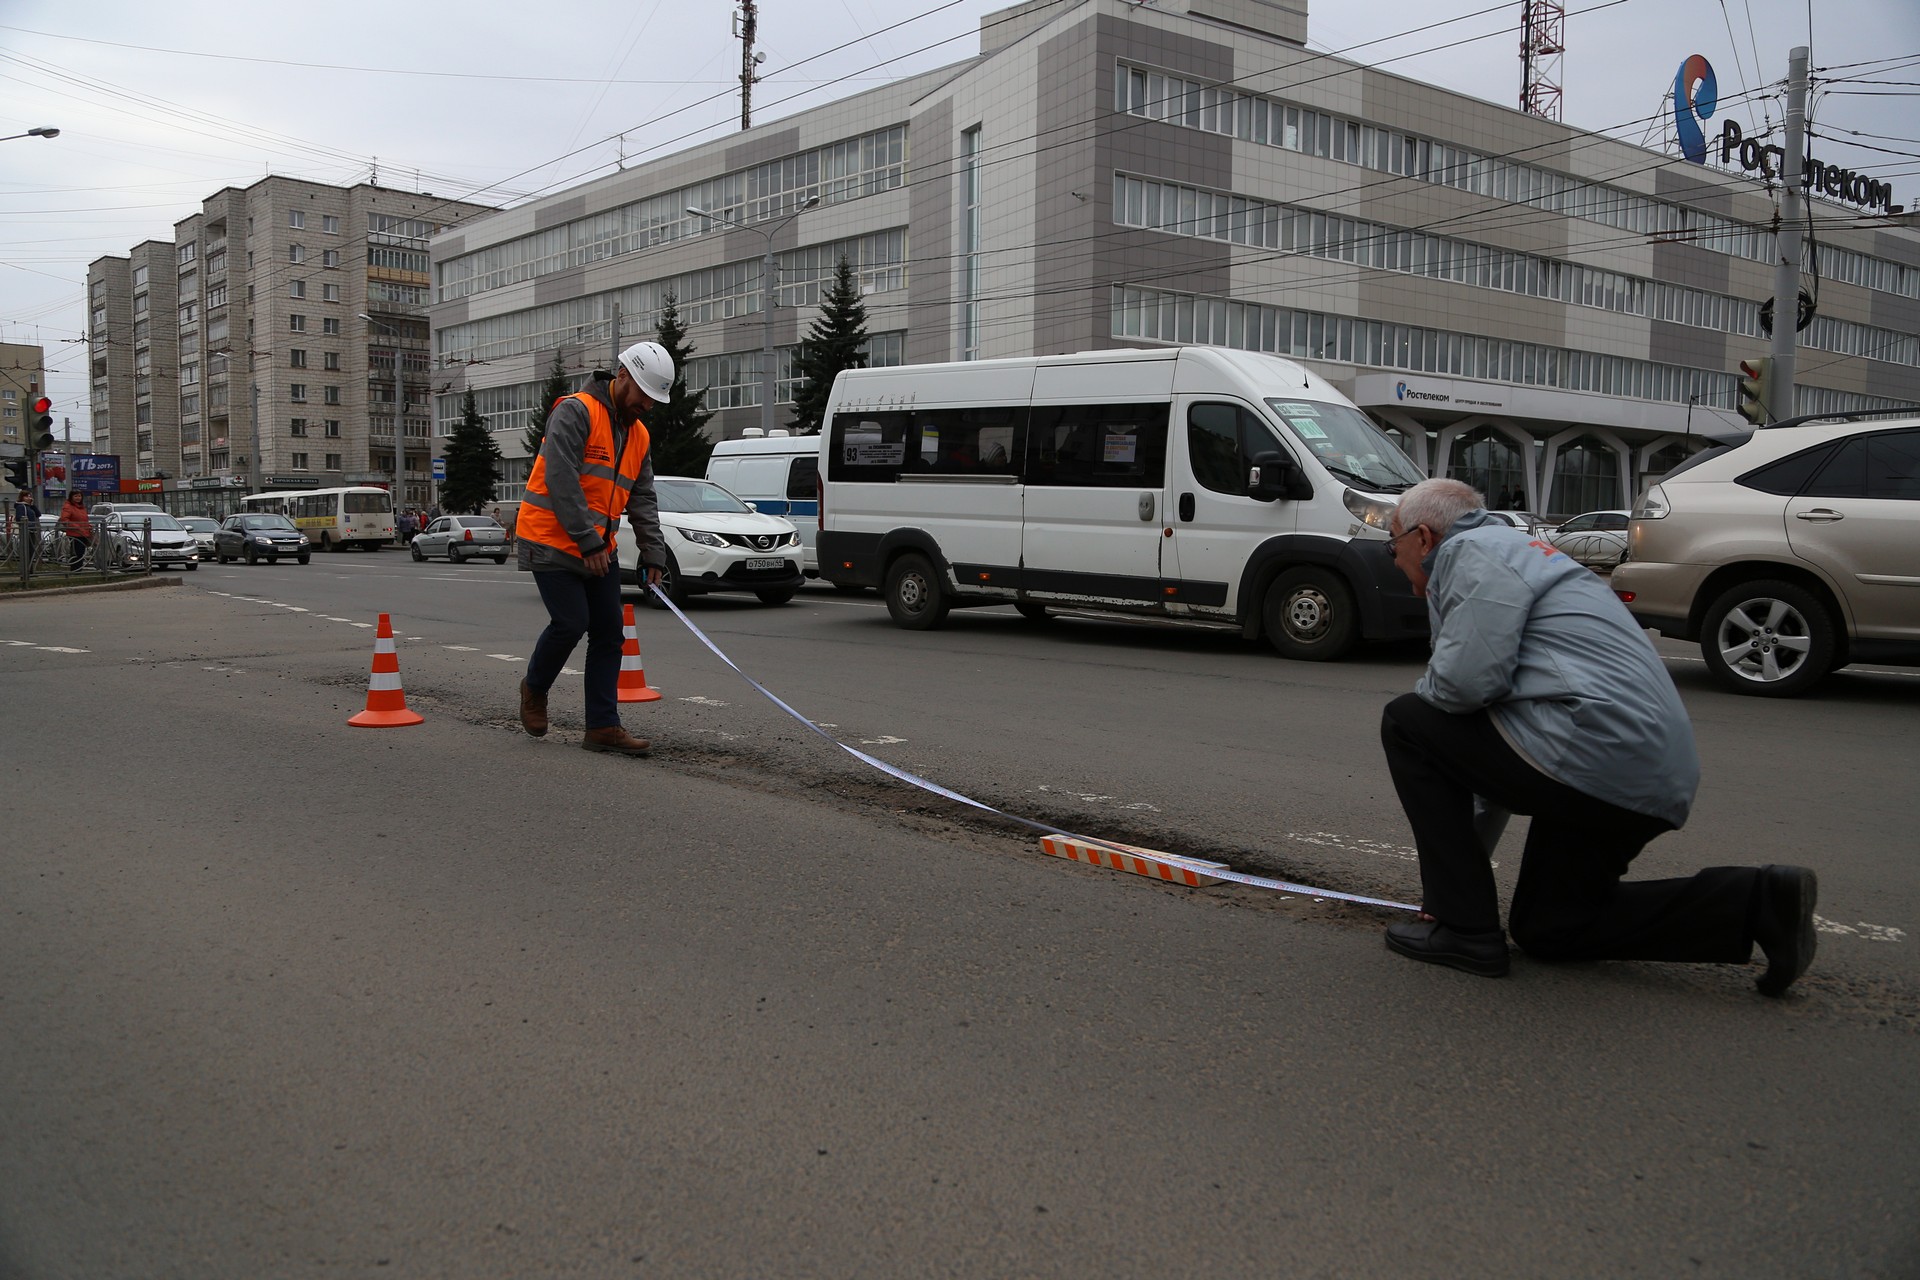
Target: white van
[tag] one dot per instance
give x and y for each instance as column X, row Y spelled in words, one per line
column 1193, row 482
column 780, row 475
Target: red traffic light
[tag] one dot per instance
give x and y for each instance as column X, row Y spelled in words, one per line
column 43, row 405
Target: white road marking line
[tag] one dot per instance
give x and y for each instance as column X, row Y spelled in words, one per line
column 1868, row 932
column 367, row 625
column 19, row 644
column 1349, row 844
column 331, row 619
column 569, row 671
column 704, row 702
column 1084, row 797
column 59, row 648
column 460, row 648
column 884, row 740
column 506, row 657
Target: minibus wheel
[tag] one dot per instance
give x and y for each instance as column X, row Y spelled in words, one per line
column 915, row 598
column 1310, row 615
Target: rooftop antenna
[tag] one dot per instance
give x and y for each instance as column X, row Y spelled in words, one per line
column 746, row 23
column 1543, row 39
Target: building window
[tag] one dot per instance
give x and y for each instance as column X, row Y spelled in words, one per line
column 330, row 326
column 329, row 257
column 139, row 277
column 330, row 293
column 330, row 360
column 297, row 322
column 296, row 359
column 333, row 428
column 139, row 304
column 329, row 224
column 189, row 375
column 1492, row 463
column 217, row 295
column 189, row 405
column 297, row 219
column 187, row 252
column 296, row 253
column 1586, row 477
column 297, row 393
column 333, row 462
column 299, row 462
column 333, row 395
column 295, row 289
column 297, row 427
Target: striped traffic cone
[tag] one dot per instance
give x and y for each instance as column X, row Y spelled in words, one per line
column 633, row 678
column 386, row 703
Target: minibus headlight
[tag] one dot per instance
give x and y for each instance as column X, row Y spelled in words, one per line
column 1369, row 510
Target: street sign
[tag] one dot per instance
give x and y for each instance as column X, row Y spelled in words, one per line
column 439, row 468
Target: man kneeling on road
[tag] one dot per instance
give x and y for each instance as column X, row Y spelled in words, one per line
column 1544, row 697
column 593, row 467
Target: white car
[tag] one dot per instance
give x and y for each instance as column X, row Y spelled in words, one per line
column 127, row 536
column 1597, row 539
column 202, row 528
column 715, row 542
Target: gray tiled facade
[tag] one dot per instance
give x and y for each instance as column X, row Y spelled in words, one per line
column 1609, row 371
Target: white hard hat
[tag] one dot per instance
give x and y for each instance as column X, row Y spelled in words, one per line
column 651, row 367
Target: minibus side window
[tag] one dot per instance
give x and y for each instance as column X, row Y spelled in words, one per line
column 982, row 440
column 869, row 446
column 1120, row 446
column 1222, row 442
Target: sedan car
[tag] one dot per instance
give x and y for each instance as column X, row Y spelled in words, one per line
column 1597, row 539
column 1525, row 521
column 129, row 538
column 462, row 538
column 202, row 528
column 255, row 536
column 715, row 542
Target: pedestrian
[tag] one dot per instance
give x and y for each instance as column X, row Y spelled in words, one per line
column 594, row 464
column 78, row 528
column 26, row 525
column 1543, row 696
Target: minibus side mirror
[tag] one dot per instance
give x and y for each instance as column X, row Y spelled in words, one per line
column 1274, row 476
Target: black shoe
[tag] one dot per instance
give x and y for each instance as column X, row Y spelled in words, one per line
column 1783, row 925
column 1484, row 953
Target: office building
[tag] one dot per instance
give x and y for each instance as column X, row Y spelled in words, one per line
column 1550, row 313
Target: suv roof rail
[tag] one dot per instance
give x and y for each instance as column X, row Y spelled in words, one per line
column 1851, row 415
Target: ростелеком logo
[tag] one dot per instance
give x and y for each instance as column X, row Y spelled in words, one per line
column 1695, row 95
column 1400, row 391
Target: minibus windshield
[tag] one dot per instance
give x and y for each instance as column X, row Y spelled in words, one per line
column 1348, row 444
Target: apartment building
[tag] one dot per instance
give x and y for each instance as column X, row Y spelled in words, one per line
column 1532, row 307
column 278, row 340
column 23, row 377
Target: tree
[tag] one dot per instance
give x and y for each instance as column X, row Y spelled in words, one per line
column 837, row 341
column 679, row 440
column 473, row 461
column 558, row 384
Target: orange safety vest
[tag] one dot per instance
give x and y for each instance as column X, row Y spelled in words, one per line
column 605, row 484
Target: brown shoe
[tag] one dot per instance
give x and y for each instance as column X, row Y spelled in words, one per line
column 616, row 740
column 533, row 711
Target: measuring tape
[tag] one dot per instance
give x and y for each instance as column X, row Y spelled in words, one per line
column 915, row 780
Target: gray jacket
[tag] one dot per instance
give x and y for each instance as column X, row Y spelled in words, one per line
column 563, row 448
column 1569, row 678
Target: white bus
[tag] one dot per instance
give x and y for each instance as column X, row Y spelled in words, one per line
column 359, row 516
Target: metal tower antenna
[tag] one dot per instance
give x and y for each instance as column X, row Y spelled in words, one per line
column 746, row 21
column 1543, row 40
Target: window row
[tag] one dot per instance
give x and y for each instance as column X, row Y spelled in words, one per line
column 716, row 293
column 732, row 381
column 297, row 393
column 1863, row 340
column 297, row 221
column 300, row 426
column 1256, row 118
column 834, row 173
column 299, row 462
column 1183, row 210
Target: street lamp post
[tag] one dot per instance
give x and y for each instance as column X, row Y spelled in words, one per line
column 768, row 270
column 44, row 131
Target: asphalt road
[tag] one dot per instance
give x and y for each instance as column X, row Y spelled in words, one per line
column 282, row 997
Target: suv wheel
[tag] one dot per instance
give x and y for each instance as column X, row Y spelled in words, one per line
column 1768, row 638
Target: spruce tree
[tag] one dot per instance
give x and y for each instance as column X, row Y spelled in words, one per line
column 677, row 428
column 836, row 341
column 473, row 461
column 558, row 385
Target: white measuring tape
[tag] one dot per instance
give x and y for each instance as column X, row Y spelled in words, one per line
column 915, row 780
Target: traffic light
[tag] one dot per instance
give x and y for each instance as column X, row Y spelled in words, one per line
column 1756, row 389
column 17, row 473
column 40, row 434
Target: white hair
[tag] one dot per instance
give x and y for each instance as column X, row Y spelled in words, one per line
column 1437, row 504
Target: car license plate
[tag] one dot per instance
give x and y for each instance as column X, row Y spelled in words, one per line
column 766, row 564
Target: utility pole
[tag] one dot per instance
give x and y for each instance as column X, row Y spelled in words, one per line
column 745, row 23
column 1786, row 268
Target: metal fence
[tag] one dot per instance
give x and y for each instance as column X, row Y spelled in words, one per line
column 47, row 555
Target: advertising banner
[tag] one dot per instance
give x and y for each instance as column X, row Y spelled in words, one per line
column 96, row 473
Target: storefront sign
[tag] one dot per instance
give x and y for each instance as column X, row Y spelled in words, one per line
column 292, row 482
column 150, row 484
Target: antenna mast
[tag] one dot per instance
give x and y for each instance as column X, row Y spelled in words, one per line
column 746, row 21
column 1543, row 26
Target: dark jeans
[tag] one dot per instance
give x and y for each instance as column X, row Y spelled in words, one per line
column 1570, row 902
column 77, row 548
column 576, row 607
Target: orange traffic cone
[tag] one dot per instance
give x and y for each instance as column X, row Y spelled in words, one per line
column 633, row 678
column 386, row 704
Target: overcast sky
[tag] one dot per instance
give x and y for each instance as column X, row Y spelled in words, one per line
column 161, row 105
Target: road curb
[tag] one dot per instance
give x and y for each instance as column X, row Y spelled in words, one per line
column 135, row 584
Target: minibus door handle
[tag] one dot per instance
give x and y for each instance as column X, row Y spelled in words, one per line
column 1186, row 506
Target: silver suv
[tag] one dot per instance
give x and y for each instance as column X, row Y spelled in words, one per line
column 1787, row 555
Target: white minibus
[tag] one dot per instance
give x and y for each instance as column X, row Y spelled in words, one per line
column 1197, row 483
column 779, row 474
column 359, row 516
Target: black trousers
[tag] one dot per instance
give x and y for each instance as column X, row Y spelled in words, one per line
column 1570, row 902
